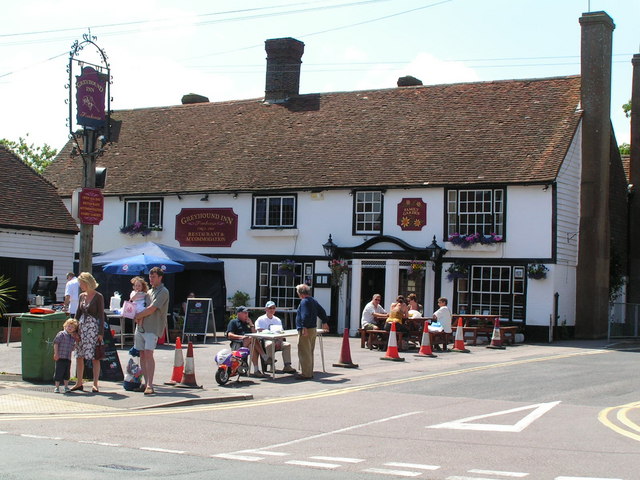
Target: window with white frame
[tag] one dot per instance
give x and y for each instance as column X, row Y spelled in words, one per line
column 367, row 212
column 274, row 211
column 476, row 211
column 145, row 211
column 492, row 290
column 280, row 286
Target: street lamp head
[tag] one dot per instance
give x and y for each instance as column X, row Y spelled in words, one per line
column 330, row 248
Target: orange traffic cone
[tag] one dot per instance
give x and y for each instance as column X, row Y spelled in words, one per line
column 345, row 353
column 496, row 338
column 189, row 375
column 425, row 343
column 178, row 365
column 458, row 344
column 392, row 347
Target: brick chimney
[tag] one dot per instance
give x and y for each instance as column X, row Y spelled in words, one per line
column 284, row 57
column 592, row 282
column 633, row 290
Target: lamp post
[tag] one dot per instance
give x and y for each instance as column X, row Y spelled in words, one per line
column 436, row 254
column 330, row 249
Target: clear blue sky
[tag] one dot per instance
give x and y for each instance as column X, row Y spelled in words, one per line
column 161, row 49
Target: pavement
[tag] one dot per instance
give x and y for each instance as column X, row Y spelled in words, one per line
column 24, row 397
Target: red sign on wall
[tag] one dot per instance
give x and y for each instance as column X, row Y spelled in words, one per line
column 206, row 227
column 90, row 206
column 412, row 214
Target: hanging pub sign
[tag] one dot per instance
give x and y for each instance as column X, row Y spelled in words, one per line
column 206, row 227
column 90, row 206
column 412, row 214
column 91, row 87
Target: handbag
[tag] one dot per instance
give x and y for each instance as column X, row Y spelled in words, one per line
column 100, row 352
column 129, row 309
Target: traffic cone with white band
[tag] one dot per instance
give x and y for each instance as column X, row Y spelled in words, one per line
column 189, row 375
column 458, row 344
column 392, row 347
column 178, row 365
column 496, row 338
column 425, row 343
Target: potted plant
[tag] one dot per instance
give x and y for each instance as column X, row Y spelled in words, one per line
column 287, row 268
column 416, row 268
column 338, row 268
column 457, row 270
column 137, row 228
column 537, row 271
column 465, row 241
column 178, row 325
column 239, row 299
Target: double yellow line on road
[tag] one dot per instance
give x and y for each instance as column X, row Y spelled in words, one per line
column 622, row 416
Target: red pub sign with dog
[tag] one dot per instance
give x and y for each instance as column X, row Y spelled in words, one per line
column 206, row 227
column 412, row 214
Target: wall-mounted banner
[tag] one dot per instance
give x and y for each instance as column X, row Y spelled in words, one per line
column 91, row 88
column 206, row 227
column 412, row 214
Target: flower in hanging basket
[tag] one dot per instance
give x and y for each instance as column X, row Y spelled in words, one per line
column 457, row 270
column 537, row 271
column 287, row 268
column 137, row 228
column 465, row 241
column 338, row 269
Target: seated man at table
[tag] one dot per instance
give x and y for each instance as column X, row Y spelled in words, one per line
column 373, row 315
column 237, row 331
column 265, row 322
column 443, row 316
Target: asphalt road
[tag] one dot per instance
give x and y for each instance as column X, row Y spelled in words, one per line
column 534, row 412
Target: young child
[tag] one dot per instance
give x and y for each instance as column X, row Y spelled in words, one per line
column 139, row 293
column 63, row 346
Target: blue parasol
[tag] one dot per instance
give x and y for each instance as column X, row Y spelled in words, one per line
column 142, row 263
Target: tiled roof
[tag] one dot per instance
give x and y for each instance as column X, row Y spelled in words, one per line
column 515, row 131
column 28, row 201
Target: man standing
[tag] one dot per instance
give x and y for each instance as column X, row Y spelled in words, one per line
column 373, row 313
column 71, row 294
column 237, row 332
column 265, row 322
column 150, row 325
column 306, row 323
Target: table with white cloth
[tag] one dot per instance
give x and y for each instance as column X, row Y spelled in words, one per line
column 10, row 317
column 269, row 335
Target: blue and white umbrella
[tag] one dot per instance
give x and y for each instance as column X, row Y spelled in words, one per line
column 142, row 263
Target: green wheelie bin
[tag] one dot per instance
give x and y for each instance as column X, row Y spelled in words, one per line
column 38, row 332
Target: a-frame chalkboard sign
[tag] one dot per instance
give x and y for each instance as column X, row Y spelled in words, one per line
column 199, row 318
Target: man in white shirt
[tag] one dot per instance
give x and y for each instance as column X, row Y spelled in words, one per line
column 265, row 322
column 373, row 314
column 71, row 294
column 443, row 316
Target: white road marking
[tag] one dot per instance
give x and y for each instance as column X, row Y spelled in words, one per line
column 103, row 444
column 458, row 477
column 586, row 478
column 412, row 465
column 161, row 450
column 340, row 430
column 43, row 437
column 499, row 473
column 244, row 458
column 274, row 454
column 463, row 424
column 340, row 459
column 313, row 464
column 385, row 471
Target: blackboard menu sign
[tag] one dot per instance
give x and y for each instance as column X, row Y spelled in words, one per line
column 198, row 317
column 110, row 367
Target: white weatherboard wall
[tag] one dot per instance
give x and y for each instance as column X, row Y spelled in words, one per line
column 56, row 247
column 529, row 222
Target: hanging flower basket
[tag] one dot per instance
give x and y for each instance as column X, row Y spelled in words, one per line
column 465, row 241
column 287, row 268
column 456, row 271
column 416, row 268
column 338, row 269
column 537, row 271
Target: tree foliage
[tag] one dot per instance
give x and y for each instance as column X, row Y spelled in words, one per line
column 627, row 108
column 36, row 157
